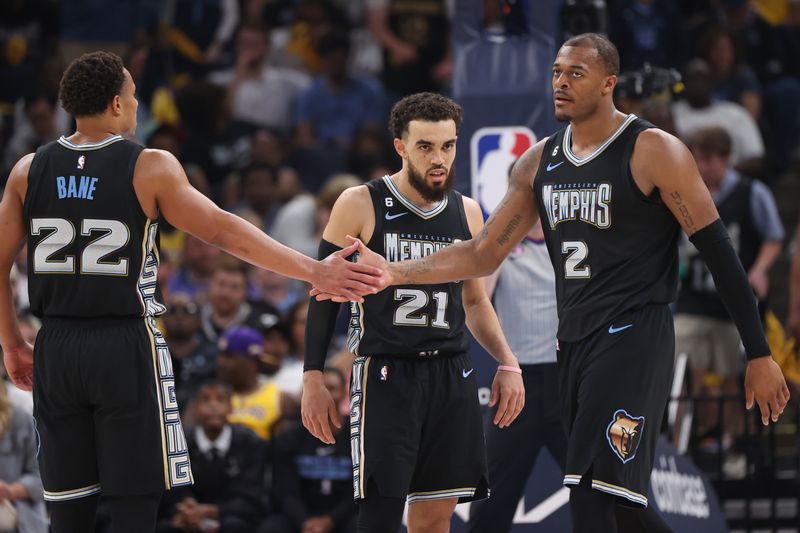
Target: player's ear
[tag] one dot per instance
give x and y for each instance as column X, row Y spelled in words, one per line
column 609, row 84
column 400, row 147
column 116, row 105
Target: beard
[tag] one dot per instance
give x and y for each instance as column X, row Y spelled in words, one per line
column 431, row 193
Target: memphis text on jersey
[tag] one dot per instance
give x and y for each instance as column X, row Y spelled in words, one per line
column 587, row 202
column 405, row 246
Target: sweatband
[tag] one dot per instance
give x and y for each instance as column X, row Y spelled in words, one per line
column 508, row 368
column 716, row 249
column 321, row 321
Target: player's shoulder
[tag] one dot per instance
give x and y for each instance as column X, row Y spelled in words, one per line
column 524, row 168
column 654, row 140
column 18, row 177
column 471, row 207
column 357, row 197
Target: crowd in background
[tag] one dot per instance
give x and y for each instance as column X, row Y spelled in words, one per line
column 274, row 107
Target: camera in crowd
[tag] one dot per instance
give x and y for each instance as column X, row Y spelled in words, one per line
column 648, row 81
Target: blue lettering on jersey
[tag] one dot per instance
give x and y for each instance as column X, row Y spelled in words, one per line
column 70, row 187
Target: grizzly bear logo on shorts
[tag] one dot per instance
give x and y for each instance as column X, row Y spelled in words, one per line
column 624, row 434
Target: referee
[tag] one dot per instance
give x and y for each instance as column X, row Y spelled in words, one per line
column 523, row 287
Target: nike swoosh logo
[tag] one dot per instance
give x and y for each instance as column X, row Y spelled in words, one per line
column 612, row 329
column 466, row 373
column 551, row 166
column 392, row 217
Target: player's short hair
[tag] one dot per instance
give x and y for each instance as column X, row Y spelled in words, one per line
column 714, row 141
column 430, row 107
column 606, row 50
column 90, row 83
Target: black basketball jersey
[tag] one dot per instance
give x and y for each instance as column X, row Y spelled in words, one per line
column 92, row 251
column 411, row 320
column 698, row 295
column 613, row 248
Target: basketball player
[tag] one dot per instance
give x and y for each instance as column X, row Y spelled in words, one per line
column 104, row 398
column 613, row 193
column 415, row 427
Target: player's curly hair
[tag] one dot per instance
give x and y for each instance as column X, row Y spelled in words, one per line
column 430, row 107
column 90, row 83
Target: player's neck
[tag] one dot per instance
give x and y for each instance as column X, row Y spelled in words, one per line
column 403, row 182
column 591, row 132
column 91, row 130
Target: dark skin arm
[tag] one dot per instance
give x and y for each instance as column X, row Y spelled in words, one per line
column 480, row 256
column 662, row 161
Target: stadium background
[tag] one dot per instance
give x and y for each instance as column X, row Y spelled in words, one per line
column 237, row 90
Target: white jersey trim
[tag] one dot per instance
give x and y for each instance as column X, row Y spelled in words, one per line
column 422, row 213
column 578, row 161
column 63, row 141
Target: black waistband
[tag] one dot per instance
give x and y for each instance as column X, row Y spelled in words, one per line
column 77, row 322
column 427, row 354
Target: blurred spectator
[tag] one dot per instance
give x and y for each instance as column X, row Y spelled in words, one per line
column 213, row 143
column 258, row 184
column 227, row 304
column 735, row 81
column 699, row 110
column 278, row 291
column 290, row 377
column 646, row 31
column 37, row 128
column 198, row 32
column 337, row 104
column 21, row 493
column 296, row 46
column 313, row 480
column 194, row 359
column 371, row 155
column 256, row 400
column 88, row 25
column 251, row 79
column 416, row 41
column 299, row 223
column 228, row 464
column 197, row 264
column 703, row 327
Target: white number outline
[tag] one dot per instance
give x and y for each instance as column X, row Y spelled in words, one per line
column 91, row 258
column 578, row 251
column 415, row 299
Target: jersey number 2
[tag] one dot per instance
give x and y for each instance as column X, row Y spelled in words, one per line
column 114, row 235
column 415, row 299
column 577, row 252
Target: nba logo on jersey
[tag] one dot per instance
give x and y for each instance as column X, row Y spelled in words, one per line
column 384, row 372
column 492, row 151
column 81, row 161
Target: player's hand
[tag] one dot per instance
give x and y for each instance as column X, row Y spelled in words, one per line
column 367, row 259
column 345, row 280
column 764, row 383
column 19, row 365
column 509, row 391
column 317, row 408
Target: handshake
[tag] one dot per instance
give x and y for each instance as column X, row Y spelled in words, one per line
column 342, row 280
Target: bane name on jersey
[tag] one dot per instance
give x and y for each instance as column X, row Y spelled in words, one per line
column 613, row 249
column 412, row 320
column 92, row 251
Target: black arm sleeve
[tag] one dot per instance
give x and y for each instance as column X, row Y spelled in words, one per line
column 714, row 245
column 321, row 322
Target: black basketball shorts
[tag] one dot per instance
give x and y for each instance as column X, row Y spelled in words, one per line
column 614, row 386
column 416, row 428
column 105, row 409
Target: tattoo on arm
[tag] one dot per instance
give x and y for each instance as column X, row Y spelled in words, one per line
column 688, row 223
column 509, row 230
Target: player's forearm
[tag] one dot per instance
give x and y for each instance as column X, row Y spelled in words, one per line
column 485, row 327
column 245, row 241
column 10, row 334
column 455, row 263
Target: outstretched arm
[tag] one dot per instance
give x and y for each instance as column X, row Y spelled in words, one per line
column 17, row 354
column 161, row 176
column 662, row 161
column 481, row 255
